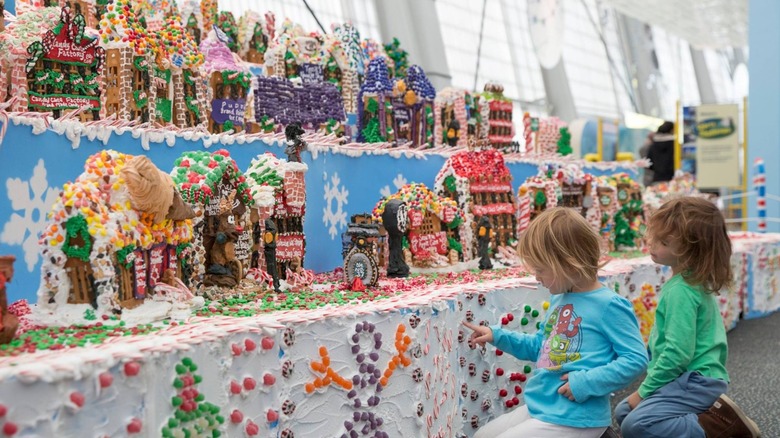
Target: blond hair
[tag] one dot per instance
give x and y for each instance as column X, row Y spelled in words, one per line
column 703, row 246
column 561, row 240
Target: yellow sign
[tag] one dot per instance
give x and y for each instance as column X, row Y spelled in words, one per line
column 717, row 147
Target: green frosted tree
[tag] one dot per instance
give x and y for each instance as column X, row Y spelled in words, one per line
column 193, row 416
column 564, row 142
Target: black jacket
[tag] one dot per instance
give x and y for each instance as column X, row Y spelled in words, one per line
column 661, row 155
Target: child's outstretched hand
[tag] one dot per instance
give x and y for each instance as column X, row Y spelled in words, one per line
column 480, row 334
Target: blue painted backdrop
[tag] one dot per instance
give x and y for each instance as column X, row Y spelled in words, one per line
column 35, row 167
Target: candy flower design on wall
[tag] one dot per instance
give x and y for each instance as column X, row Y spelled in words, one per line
column 365, row 386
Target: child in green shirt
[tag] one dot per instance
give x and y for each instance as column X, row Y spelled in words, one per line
column 683, row 393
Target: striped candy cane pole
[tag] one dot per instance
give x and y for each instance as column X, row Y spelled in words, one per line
column 524, row 210
column 759, row 182
column 527, row 132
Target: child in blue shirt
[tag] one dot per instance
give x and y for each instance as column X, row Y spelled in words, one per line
column 588, row 347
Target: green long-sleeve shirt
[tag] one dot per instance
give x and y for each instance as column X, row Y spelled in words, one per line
column 689, row 335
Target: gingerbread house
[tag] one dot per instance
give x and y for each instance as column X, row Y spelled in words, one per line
column 433, row 221
column 606, row 192
column 214, row 186
column 187, row 89
column 281, row 58
column 278, row 188
column 20, row 34
column 130, row 60
column 375, row 111
column 457, row 117
column 629, row 219
column 413, row 108
column 229, row 84
column 209, row 10
column 543, row 192
column 62, row 72
column 547, row 137
column 92, row 10
column 481, row 185
column 154, row 13
column 344, row 63
column 280, row 101
column 192, row 20
column 254, row 36
column 576, row 187
column 500, row 128
column 226, row 22
column 111, row 235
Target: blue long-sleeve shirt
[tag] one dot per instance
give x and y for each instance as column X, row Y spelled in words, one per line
column 594, row 337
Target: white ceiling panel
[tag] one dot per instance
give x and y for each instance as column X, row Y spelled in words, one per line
column 705, row 24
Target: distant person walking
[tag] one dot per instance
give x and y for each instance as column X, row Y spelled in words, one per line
column 661, row 153
column 647, row 178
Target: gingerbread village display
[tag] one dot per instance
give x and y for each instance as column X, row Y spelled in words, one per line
column 187, row 275
column 188, row 67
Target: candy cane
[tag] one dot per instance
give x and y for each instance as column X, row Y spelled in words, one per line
column 527, row 132
column 759, row 182
column 524, row 210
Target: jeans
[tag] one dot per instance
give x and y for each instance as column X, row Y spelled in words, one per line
column 671, row 411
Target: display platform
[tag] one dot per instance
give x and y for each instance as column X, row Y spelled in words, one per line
column 342, row 180
column 390, row 362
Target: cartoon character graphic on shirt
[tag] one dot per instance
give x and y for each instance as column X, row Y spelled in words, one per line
column 568, row 324
column 562, row 338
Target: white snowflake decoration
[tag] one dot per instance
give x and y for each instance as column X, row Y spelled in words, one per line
column 399, row 181
column 335, row 219
column 28, row 197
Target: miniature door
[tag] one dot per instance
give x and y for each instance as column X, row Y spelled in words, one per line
column 402, row 123
column 82, row 289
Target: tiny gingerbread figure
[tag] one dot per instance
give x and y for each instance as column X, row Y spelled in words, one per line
column 484, row 233
column 269, row 251
column 295, row 145
column 9, row 321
